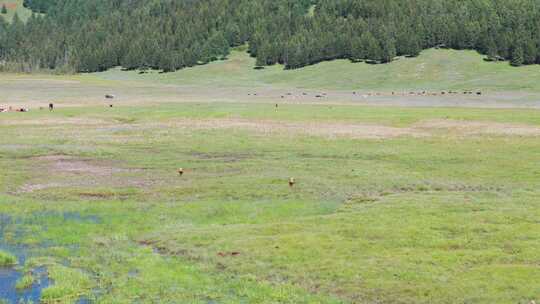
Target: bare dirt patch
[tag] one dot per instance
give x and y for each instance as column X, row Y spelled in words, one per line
column 11, row 6
column 68, row 164
column 479, row 127
column 324, row 129
column 47, row 80
column 83, row 167
column 57, row 171
column 29, row 188
column 51, row 122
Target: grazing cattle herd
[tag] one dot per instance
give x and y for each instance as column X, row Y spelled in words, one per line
column 304, row 94
column 51, row 106
column 12, row 109
column 370, row 94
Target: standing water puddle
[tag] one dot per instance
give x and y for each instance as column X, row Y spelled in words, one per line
column 9, row 293
column 10, row 275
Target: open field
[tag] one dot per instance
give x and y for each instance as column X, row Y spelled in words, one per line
column 434, row 70
column 235, row 80
column 392, row 203
column 413, row 208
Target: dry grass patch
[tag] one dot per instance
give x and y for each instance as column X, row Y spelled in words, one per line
column 60, row 171
column 30, row 187
column 478, row 127
column 68, row 164
column 324, row 129
column 333, row 130
column 52, row 121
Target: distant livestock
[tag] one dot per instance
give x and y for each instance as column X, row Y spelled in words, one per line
column 11, row 109
column 292, row 182
column 109, row 96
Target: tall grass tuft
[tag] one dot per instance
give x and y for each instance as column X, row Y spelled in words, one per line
column 7, row 259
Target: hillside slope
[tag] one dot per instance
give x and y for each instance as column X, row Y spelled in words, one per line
column 432, row 70
column 236, row 80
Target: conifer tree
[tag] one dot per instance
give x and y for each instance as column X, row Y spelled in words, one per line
column 517, row 56
column 357, row 49
column 169, row 35
column 371, row 47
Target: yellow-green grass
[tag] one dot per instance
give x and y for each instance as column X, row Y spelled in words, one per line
column 448, row 217
column 433, row 70
column 7, row 259
column 15, row 7
column 69, row 285
column 234, row 80
column 25, row 282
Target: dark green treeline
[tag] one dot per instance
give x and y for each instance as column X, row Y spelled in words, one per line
column 86, row 36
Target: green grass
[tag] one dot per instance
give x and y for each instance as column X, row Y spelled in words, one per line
column 433, row 70
column 15, row 6
column 7, row 259
column 444, row 218
column 25, row 282
column 69, row 285
column 236, row 81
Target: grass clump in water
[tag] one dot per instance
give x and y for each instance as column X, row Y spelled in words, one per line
column 7, row 259
column 69, row 284
column 25, row 282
